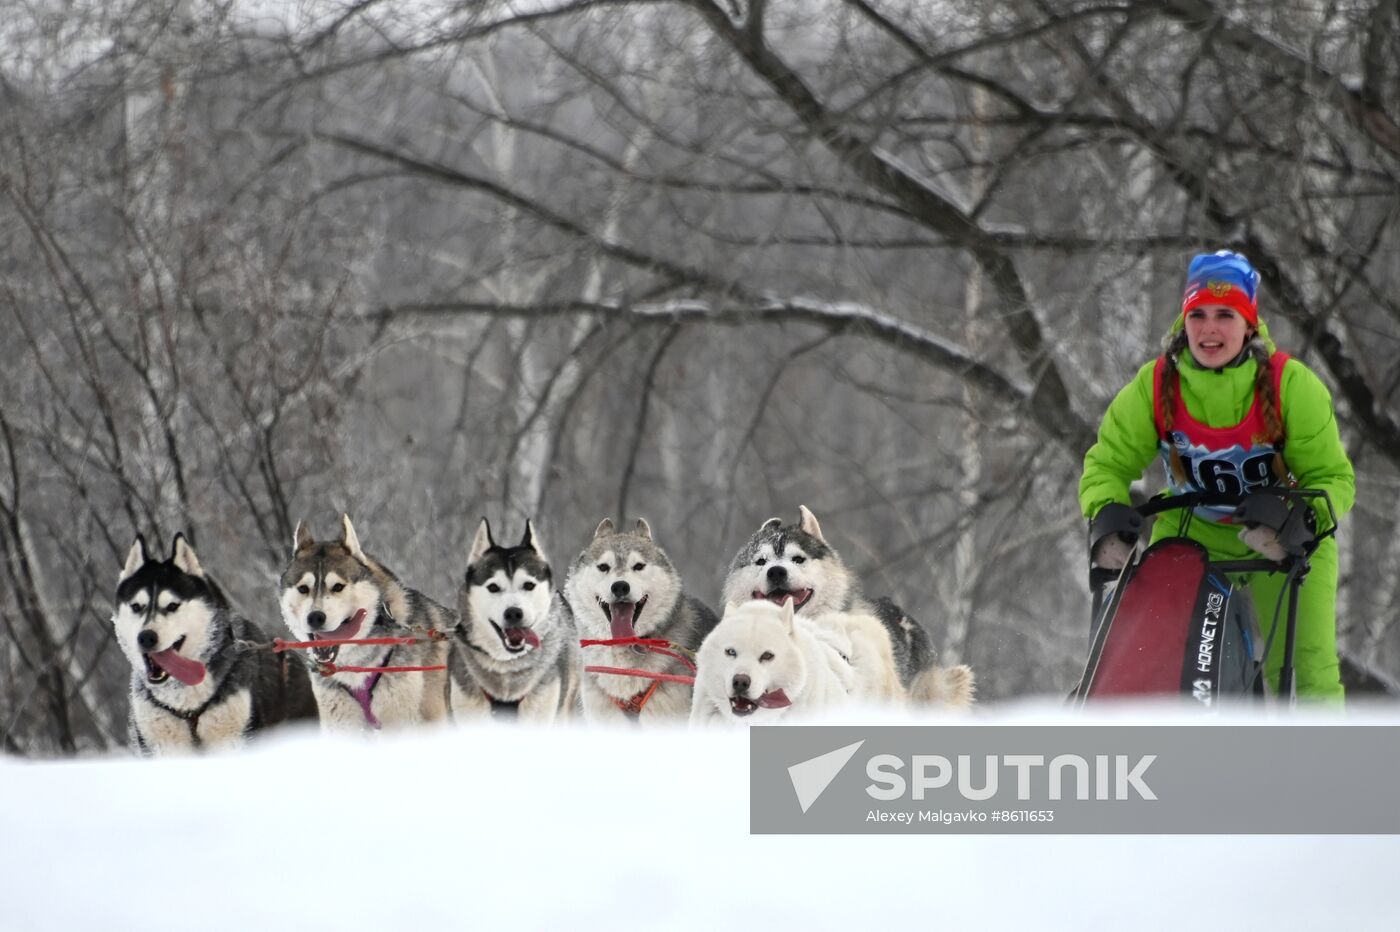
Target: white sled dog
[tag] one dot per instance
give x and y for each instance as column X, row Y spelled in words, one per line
column 763, row 662
column 192, row 685
column 334, row 592
column 515, row 653
column 795, row 563
column 621, row 586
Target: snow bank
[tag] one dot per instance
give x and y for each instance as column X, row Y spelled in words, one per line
column 494, row 827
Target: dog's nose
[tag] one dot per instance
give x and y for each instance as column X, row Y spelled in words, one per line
column 147, row 640
column 620, row 589
column 741, row 683
column 777, row 574
column 514, row 616
column 315, row 620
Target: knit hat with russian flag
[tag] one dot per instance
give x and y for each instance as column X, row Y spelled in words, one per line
column 1223, row 278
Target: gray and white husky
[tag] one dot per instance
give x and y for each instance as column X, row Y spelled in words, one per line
column 192, row 684
column 334, row 592
column 794, row 561
column 623, row 585
column 515, row 653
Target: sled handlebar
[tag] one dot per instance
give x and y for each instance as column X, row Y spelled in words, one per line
column 1100, row 577
column 1161, row 503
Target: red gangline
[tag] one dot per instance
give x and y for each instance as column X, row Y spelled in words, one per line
column 651, row 645
column 624, row 642
column 627, row 671
column 279, row 645
column 672, row 654
column 326, row 668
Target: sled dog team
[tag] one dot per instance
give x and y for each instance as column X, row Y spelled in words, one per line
column 797, row 636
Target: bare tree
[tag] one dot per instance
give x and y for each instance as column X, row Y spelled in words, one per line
column 698, row 260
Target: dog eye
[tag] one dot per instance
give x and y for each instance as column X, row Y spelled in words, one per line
column 759, row 562
column 303, row 589
column 799, row 559
column 138, row 607
column 730, row 652
column 492, row 588
column 171, row 607
column 527, row 586
column 638, row 567
column 337, row 587
column 765, row 656
column 603, row 567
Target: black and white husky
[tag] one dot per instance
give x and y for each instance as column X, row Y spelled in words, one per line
column 192, row 684
column 334, row 592
column 515, row 653
column 783, row 562
column 621, row 586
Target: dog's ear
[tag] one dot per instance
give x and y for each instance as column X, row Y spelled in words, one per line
column 302, row 539
column 643, row 529
column 809, row 523
column 481, row 543
column 348, row 538
column 788, row 615
column 182, row 555
column 532, row 538
column 771, row 523
column 605, row 528
column 135, row 557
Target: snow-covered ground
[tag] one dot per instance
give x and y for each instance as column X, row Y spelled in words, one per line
column 507, row 828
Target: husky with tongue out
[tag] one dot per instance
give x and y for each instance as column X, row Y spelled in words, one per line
column 784, row 563
column 515, row 653
column 763, row 662
column 191, row 685
column 624, row 586
column 334, row 593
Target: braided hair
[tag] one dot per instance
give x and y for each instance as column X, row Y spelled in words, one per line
column 1270, row 406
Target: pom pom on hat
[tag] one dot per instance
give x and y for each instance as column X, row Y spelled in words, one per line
column 1226, row 279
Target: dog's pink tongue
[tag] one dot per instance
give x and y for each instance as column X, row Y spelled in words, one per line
column 523, row 634
column 774, row 699
column 621, row 617
column 347, row 630
column 187, row 671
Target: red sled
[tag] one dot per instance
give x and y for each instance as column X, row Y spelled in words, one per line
column 1177, row 624
column 1174, row 626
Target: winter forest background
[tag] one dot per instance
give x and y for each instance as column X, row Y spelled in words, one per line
column 700, row 261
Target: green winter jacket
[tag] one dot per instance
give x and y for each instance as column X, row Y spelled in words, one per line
column 1128, row 442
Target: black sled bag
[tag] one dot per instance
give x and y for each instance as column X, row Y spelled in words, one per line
column 1175, row 627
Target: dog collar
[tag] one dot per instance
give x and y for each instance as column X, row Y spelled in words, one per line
column 501, row 708
column 191, row 716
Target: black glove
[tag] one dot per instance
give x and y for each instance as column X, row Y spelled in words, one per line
column 1276, row 527
column 1112, row 535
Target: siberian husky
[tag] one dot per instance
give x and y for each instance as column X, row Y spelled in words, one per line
column 515, row 652
column 334, row 592
column 192, row 684
column 763, row 662
column 621, row 586
column 794, row 562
